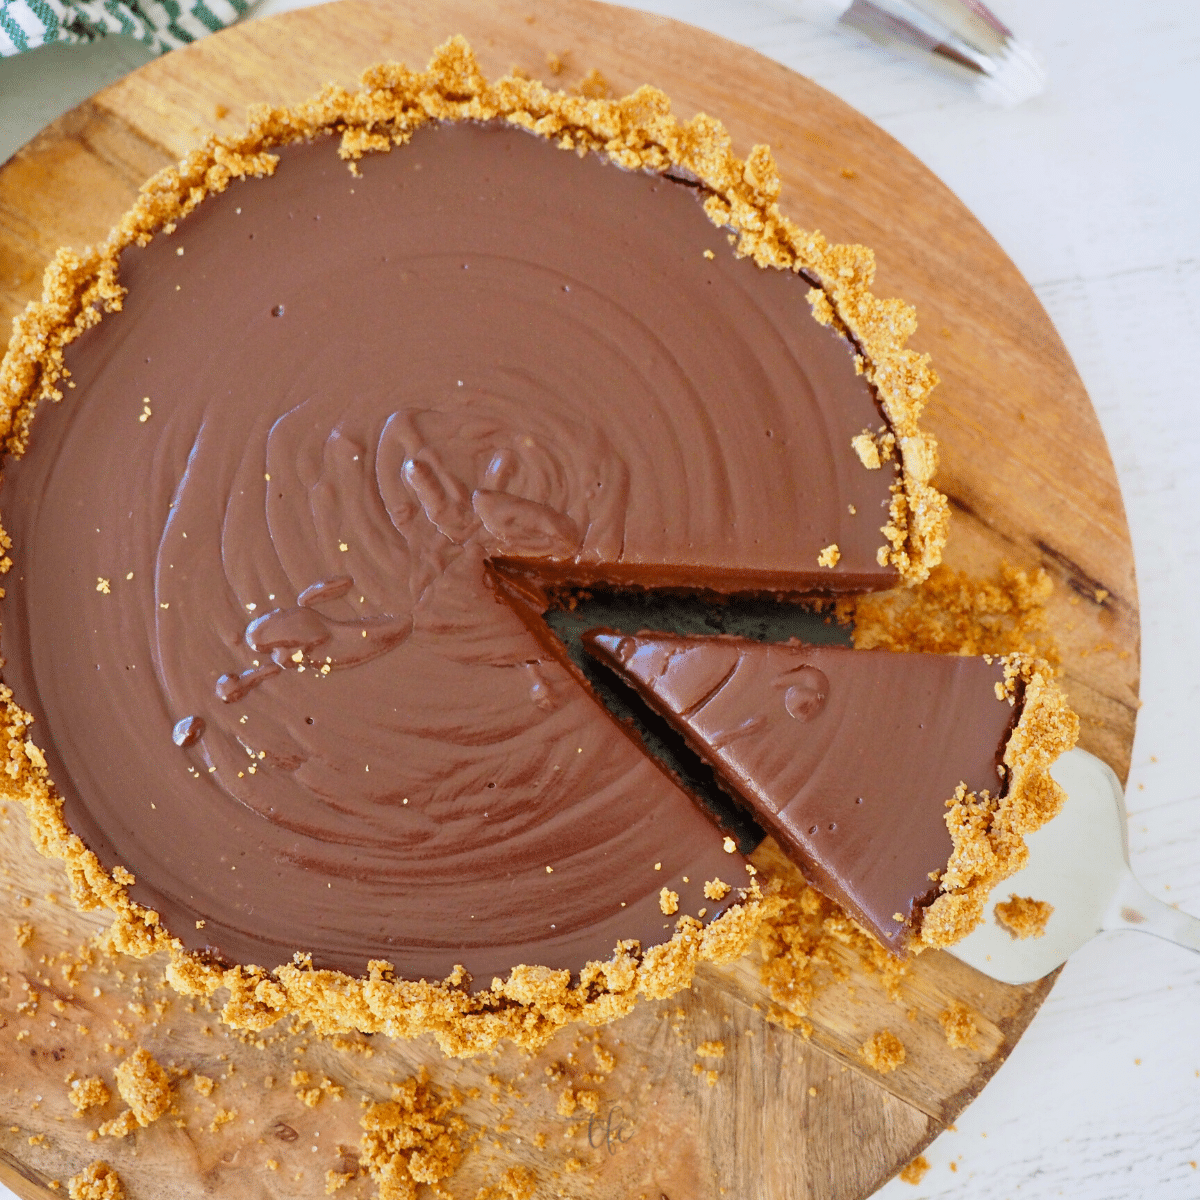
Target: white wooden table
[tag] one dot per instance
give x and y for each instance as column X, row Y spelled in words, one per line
column 1094, row 191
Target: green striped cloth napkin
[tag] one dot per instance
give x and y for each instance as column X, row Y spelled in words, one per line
column 159, row 24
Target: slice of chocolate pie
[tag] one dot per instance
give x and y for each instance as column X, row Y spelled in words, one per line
column 852, row 759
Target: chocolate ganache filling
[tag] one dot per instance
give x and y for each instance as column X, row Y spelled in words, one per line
column 276, row 604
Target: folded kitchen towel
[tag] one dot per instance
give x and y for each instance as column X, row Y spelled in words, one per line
column 159, row 24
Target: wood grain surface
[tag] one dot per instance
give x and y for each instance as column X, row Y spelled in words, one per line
column 1025, row 465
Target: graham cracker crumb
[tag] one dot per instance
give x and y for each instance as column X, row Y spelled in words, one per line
column 715, row 889
column 222, row 1117
column 97, row 1181
column 24, row 933
column 593, row 86
column 882, row 1052
column 203, row 1084
column 606, row 1060
column 954, row 613
column 805, row 941
column 958, row 1024
column 336, row 1180
column 668, row 902
column 144, row 1086
column 90, row 1092
column 517, row 1183
column 1023, row 916
column 411, row 1139
column 353, row 1046
column 713, row 1049
column 121, row 1126
column 916, row 1170
column 829, row 556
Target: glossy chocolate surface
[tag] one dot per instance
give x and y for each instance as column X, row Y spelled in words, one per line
column 303, row 709
column 847, row 756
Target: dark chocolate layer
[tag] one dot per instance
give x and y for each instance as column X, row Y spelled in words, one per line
column 847, row 756
column 299, row 708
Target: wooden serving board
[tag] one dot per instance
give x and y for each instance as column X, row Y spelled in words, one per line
column 1030, row 478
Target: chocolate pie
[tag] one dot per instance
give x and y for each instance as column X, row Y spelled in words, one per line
column 297, row 460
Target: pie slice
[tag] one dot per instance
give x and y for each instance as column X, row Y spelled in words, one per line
column 882, row 775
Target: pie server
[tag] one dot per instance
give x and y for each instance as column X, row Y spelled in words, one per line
column 1079, row 863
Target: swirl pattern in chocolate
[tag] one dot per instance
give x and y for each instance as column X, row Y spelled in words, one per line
column 339, row 426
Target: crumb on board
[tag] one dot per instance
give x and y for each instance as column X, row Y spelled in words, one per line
column 97, row 1181
column 712, row 1049
column 882, row 1051
column 1023, row 916
column 829, row 556
column 958, row 1024
column 144, row 1086
column 668, row 902
column 203, row 1084
column 593, row 86
column 606, row 1060
column 89, row 1092
column 517, row 1183
column 120, row 1126
column 24, row 933
column 222, row 1117
column 336, row 1180
column 413, row 1138
column 916, row 1170
column 807, row 942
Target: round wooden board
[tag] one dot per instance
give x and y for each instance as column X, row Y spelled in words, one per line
column 1027, row 470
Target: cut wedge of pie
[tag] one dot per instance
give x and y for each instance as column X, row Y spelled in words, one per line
column 900, row 784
